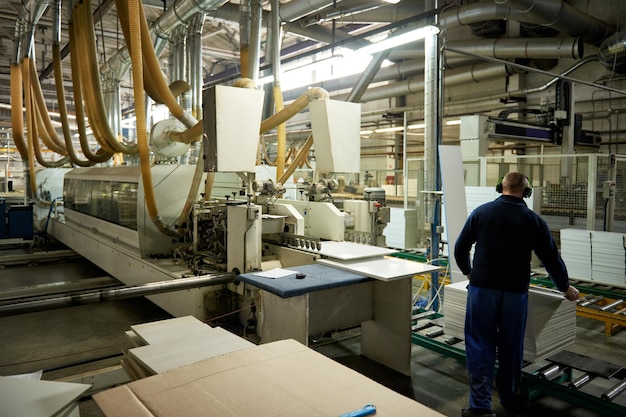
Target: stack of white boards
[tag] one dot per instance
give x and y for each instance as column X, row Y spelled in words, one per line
column 168, row 344
column 594, row 255
column 550, row 328
column 401, row 231
column 37, row 398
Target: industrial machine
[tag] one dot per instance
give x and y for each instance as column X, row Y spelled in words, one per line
column 236, row 223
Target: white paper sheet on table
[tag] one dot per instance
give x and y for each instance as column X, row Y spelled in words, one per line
column 275, row 273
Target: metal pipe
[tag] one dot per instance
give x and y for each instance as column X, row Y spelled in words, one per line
column 592, row 301
column 614, row 391
column 180, row 13
column 117, row 293
column 35, row 9
column 579, row 382
column 549, row 372
column 523, row 47
column 254, row 48
column 610, row 306
column 562, row 17
column 296, row 9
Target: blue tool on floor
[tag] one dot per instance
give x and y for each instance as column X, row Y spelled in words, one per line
column 365, row 411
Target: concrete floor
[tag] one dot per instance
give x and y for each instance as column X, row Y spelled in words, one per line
column 70, row 340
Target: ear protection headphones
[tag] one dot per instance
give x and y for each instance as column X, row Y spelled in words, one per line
column 528, row 191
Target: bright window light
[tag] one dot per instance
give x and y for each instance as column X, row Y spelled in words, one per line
column 397, row 40
column 389, row 129
column 344, row 62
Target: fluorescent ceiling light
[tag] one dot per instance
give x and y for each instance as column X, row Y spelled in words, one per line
column 297, row 70
column 397, row 40
column 392, row 1
column 417, row 126
column 366, row 132
column 453, row 122
column 389, row 129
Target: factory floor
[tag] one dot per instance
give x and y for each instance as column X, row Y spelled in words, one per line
column 70, row 340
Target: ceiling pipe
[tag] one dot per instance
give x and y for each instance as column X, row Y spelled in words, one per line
column 297, row 9
column 562, row 17
column 572, row 48
column 254, row 49
column 194, row 68
column 344, row 11
column 180, row 13
column 34, row 10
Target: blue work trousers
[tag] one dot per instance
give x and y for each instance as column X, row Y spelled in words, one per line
column 495, row 323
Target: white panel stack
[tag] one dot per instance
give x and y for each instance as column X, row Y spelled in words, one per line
column 551, row 324
column 173, row 343
column 401, row 231
column 594, row 255
column 454, row 305
column 576, row 252
column 608, row 258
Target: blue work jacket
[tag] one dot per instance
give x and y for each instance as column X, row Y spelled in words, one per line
column 506, row 232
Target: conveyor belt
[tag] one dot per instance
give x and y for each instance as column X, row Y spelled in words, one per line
column 582, row 381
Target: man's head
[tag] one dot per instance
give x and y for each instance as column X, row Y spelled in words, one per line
column 516, row 184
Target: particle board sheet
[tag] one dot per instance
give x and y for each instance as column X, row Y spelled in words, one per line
column 349, row 250
column 171, row 329
column 174, row 353
column 551, row 324
column 283, row 378
column 177, row 342
column 37, row 398
column 383, row 269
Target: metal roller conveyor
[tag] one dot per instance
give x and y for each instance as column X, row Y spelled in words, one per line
column 579, row 382
column 614, row 391
column 592, row 301
column 611, row 305
column 549, row 372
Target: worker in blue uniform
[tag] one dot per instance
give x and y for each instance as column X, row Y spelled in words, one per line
column 505, row 233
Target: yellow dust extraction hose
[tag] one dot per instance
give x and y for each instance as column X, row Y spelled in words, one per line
column 142, row 139
column 104, row 153
column 17, row 112
column 84, row 27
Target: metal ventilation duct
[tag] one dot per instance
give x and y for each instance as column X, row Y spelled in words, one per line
column 562, row 17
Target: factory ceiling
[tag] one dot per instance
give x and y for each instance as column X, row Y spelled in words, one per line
column 539, row 34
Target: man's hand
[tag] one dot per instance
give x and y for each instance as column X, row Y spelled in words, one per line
column 571, row 293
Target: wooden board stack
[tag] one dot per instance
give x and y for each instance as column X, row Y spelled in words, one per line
column 169, row 344
column 550, row 328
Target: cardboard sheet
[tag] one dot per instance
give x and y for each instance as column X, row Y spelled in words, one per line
column 283, row 378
